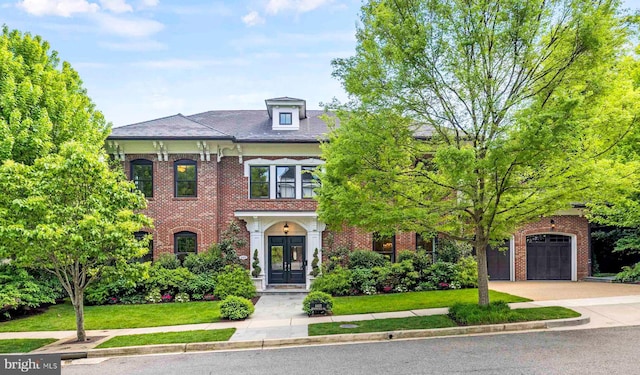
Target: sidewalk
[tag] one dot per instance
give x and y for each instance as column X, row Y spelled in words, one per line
column 281, row 317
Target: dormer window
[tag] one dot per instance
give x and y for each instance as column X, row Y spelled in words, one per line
column 286, row 113
column 285, row 118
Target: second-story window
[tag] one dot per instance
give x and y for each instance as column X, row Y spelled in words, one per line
column 186, row 178
column 309, row 182
column 142, row 176
column 285, row 118
column 259, row 182
column 286, row 181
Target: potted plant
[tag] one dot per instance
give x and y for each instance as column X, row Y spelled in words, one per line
column 258, row 280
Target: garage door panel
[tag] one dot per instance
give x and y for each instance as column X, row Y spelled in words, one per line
column 498, row 263
column 549, row 257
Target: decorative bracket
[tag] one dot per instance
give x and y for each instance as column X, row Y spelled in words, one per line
column 116, row 150
column 239, row 153
column 205, row 152
column 161, row 150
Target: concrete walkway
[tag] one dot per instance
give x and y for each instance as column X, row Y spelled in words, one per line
column 281, row 316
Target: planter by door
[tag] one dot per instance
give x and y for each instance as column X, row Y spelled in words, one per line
column 287, row 260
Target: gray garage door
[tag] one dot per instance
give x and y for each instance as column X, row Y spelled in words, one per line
column 548, row 257
column 499, row 262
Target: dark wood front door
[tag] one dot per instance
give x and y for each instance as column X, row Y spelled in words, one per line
column 286, row 260
column 548, row 257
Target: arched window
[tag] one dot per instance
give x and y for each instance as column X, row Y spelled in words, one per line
column 185, row 243
column 186, row 178
column 142, row 176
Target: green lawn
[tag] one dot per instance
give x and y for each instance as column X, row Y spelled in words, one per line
column 413, row 301
column 433, row 321
column 23, row 345
column 169, row 338
column 61, row 317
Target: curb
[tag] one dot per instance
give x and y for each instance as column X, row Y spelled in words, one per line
column 329, row 339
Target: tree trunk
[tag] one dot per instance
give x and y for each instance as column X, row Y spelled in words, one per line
column 483, row 277
column 77, row 300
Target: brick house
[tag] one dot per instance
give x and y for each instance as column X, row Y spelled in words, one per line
column 201, row 172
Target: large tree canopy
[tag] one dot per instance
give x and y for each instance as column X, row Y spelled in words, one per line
column 42, row 105
column 471, row 118
column 70, row 214
column 62, row 209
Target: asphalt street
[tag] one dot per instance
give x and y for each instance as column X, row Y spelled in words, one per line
column 594, row 351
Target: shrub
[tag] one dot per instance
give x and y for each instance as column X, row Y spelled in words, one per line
column 181, row 298
column 336, row 257
column 202, row 284
column 406, row 255
column 364, row 280
column 317, row 297
column 466, row 275
column 336, row 283
column 256, row 264
column 441, row 272
column 381, row 276
column 168, row 261
column 132, row 299
column 154, row 296
column 209, row 261
column 366, row 259
column 236, row 308
column 402, row 277
column 629, row 274
column 22, row 289
column 426, row 286
column 234, row 281
column 170, row 281
column 451, row 251
column 315, row 267
column 472, row 314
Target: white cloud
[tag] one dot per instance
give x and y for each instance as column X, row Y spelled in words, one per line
column 63, row 8
column 129, row 26
column 252, row 19
column 299, row 6
column 149, row 3
column 116, row 6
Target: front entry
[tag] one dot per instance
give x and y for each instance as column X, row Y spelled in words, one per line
column 286, row 260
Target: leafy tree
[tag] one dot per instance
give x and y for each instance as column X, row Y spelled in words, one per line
column 42, row 104
column 71, row 215
column 472, row 118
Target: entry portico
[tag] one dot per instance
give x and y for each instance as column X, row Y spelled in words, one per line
column 279, row 250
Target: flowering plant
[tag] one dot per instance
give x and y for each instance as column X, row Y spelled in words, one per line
column 166, row 297
column 209, row 297
column 113, row 300
column 443, row 285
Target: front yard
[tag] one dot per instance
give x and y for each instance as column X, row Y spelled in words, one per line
column 413, row 301
column 61, row 317
column 434, row 321
column 23, row 345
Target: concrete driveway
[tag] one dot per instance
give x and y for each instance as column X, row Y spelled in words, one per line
column 606, row 304
column 556, row 290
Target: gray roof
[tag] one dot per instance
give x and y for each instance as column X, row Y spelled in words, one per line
column 256, row 126
column 171, row 127
column 253, row 126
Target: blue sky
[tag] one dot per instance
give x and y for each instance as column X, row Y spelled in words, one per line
column 143, row 59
